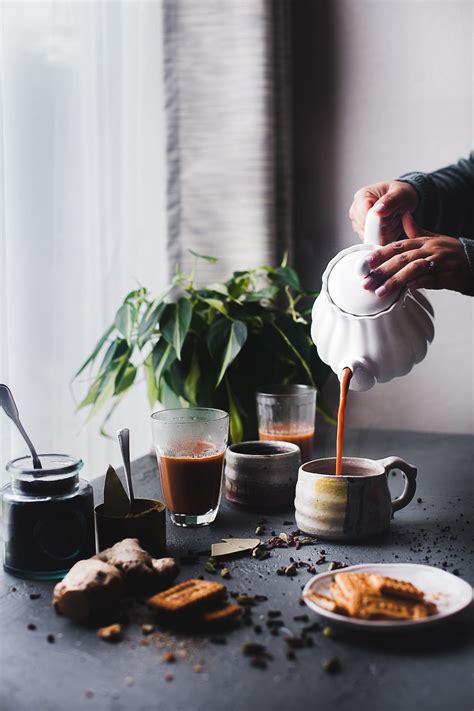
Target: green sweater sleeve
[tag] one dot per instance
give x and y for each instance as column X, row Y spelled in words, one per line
column 446, row 201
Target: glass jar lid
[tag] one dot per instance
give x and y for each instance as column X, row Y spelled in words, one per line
column 59, row 474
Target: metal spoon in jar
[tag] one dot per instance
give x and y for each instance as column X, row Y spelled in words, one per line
column 123, row 437
column 10, row 408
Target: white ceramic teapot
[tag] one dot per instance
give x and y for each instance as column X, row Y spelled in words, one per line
column 378, row 338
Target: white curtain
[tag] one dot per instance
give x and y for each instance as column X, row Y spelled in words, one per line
column 82, row 205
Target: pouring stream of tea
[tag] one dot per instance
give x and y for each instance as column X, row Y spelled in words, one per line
column 345, row 382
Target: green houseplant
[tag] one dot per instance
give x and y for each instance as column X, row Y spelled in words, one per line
column 210, row 346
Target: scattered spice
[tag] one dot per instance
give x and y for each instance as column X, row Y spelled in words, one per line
column 244, row 599
column 198, row 668
column 148, row 629
column 274, row 613
column 327, row 632
column 252, row 649
column 89, row 694
column 290, row 570
column 168, row 658
column 295, row 642
column 32, row 626
column 51, row 638
column 332, row 665
column 259, row 530
column 169, row 676
column 218, row 640
column 35, row 596
column 337, row 565
column 225, row 573
column 301, row 618
column 210, row 567
column 129, row 681
column 112, row 633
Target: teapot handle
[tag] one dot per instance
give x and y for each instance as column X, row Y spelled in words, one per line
column 409, row 472
column 372, row 228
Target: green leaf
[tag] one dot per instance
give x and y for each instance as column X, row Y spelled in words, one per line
column 95, row 352
column 192, row 380
column 175, row 323
column 150, row 320
column 135, row 294
column 125, row 378
column 225, row 340
column 151, row 389
column 163, row 355
column 91, row 394
column 296, row 353
column 285, row 276
column 236, row 428
column 124, row 321
column 212, row 260
column 115, row 352
column 105, row 392
column 217, row 305
column 268, row 292
column 218, row 289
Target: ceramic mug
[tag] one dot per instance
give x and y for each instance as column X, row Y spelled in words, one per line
column 353, row 506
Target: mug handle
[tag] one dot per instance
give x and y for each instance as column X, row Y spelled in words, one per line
column 409, row 472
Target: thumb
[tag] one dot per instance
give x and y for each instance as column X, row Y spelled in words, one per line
column 412, row 230
column 394, row 200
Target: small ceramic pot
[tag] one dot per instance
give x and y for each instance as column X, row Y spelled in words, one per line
column 353, row 506
column 147, row 522
column 261, row 475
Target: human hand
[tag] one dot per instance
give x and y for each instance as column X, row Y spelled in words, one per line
column 390, row 200
column 424, row 260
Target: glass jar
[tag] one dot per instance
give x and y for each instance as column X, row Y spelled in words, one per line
column 48, row 517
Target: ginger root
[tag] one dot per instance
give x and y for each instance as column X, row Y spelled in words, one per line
column 93, row 588
column 90, row 589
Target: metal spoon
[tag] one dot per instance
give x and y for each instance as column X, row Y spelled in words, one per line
column 123, row 437
column 10, row 408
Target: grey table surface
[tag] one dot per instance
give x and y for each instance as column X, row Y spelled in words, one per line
column 431, row 671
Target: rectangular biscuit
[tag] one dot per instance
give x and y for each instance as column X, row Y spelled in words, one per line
column 385, row 608
column 348, row 589
column 396, row 588
column 221, row 615
column 187, row 596
column 326, row 603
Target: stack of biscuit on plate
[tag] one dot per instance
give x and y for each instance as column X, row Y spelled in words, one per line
column 194, row 603
column 369, row 596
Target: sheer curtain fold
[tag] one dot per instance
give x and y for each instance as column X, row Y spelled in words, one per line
column 82, row 199
column 229, row 129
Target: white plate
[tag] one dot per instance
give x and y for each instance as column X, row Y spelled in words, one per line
column 448, row 592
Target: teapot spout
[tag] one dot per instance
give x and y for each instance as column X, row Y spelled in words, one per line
column 362, row 374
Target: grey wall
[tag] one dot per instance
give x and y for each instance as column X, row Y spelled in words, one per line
column 383, row 87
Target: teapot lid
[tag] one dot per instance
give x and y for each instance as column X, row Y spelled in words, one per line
column 344, row 284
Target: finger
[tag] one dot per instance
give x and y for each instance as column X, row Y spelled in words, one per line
column 392, row 266
column 394, row 200
column 411, row 273
column 379, row 256
column 412, row 230
column 424, row 282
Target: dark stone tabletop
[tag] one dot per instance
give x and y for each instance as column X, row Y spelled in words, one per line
column 429, row 671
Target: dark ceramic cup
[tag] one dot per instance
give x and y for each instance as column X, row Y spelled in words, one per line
column 261, row 475
column 147, row 522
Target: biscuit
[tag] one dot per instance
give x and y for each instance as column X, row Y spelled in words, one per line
column 385, row 608
column 327, row 603
column 187, row 596
column 394, row 587
column 348, row 590
column 221, row 615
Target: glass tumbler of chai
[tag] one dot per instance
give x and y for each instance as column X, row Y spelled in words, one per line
column 190, row 444
column 287, row 413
